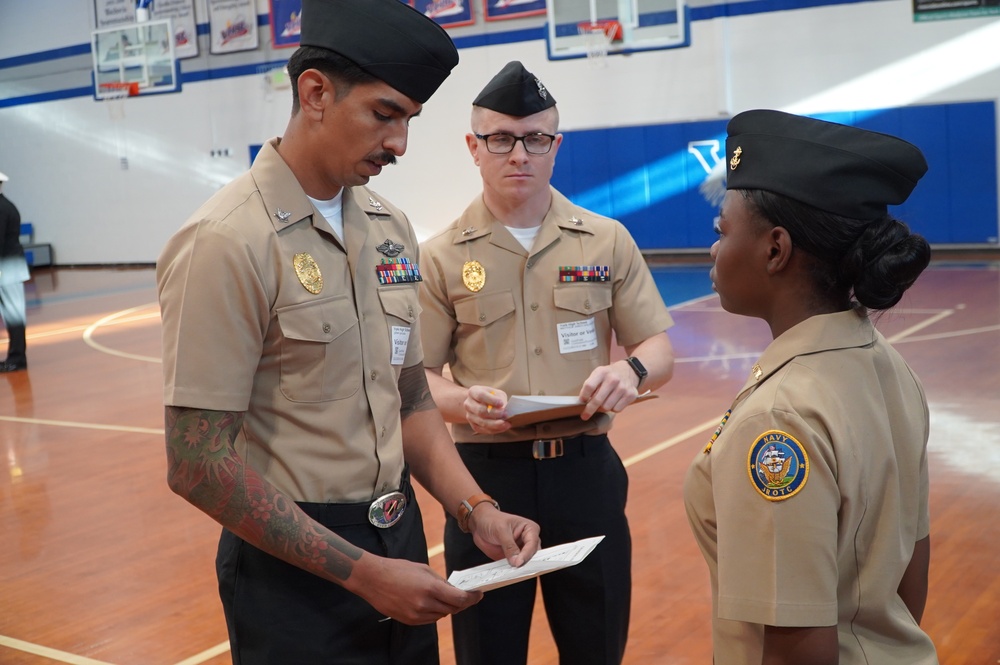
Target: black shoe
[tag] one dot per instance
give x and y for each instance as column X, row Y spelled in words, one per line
column 12, row 366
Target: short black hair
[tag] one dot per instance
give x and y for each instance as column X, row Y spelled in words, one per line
column 342, row 72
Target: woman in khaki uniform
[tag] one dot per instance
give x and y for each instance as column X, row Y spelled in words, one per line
column 810, row 502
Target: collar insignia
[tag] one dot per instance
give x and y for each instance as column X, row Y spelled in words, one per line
column 757, row 372
column 576, row 221
column 469, row 231
column 282, row 215
column 378, row 206
column 390, row 248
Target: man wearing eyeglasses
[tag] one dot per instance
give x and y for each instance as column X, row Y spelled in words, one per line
column 521, row 296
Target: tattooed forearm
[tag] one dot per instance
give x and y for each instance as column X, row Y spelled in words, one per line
column 204, row 468
column 414, row 391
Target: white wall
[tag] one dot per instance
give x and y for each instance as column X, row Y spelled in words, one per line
column 63, row 156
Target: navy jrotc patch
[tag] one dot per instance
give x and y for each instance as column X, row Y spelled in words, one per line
column 778, row 465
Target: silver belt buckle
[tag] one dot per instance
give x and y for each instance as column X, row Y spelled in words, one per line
column 387, row 509
column 547, row 449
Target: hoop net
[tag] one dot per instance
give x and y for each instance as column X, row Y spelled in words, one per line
column 598, row 36
column 114, row 95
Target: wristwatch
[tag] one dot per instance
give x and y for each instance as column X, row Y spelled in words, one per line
column 637, row 367
column 466, row 507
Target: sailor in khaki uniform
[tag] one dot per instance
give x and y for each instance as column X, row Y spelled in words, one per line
column 296, row 397
column 810, row 501
column 521, row 296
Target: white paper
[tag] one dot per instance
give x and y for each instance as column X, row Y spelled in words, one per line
column 497, row 574
column 519, row 404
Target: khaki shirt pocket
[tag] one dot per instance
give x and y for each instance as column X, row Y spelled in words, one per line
column 485, row 334
column 320, row 350
column 581, row 301
column 401, row 305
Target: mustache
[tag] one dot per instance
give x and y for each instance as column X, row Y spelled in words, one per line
column 384, row 157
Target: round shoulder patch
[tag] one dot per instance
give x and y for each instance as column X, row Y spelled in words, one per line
column 778, row 465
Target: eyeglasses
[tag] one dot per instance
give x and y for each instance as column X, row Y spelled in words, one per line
column 501, row 144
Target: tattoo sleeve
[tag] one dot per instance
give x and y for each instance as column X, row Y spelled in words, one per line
column 414, row 392
column 204, row 468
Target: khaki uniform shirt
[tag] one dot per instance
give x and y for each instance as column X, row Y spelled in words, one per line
column 840, row 423
column 507, row 334
column 265, row 311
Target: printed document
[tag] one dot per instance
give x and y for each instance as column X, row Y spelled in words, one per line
column 496, row 574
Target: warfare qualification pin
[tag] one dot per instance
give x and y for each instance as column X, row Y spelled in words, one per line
column 390, row 248
column 307, row 270
column 474, row 275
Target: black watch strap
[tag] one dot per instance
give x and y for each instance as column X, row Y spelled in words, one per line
column 637, row 367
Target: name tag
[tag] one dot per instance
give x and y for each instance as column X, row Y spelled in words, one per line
column 577, row 336
column 400, row 339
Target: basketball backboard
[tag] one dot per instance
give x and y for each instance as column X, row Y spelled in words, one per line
column 581, row 28
column 140, row 53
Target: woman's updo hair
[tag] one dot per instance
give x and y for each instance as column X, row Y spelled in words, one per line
column 875, row 261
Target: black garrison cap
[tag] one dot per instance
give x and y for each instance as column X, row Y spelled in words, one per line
column 387, row 38
column 515, row 91
column 840, row 169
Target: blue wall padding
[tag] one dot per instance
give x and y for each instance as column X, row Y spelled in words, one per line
column 646, row 177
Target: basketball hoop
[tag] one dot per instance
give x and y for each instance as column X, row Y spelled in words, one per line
column 598, row 36
column 113, row 95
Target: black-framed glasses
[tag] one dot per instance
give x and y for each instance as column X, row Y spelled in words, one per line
column 501, row 144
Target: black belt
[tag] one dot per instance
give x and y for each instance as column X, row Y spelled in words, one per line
column 541, row 449
column 383, row 512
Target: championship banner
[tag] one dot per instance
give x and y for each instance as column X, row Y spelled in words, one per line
column 446, row 13
column 286, row 19
column 110, row 13
column 937, row 10
column 232, row 25
column 496, row 10
column 181, row 14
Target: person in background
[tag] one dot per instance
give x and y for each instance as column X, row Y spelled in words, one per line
column 296, row 399
column 810, row 503
column 13, row 274
column 521, row 295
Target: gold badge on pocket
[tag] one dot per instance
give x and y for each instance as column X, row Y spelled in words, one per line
column 473, row 275
column 307, row 270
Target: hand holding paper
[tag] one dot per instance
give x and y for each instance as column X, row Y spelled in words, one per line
column 497, row 574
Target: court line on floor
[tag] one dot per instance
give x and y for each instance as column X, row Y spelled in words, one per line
column 48, row 652
column 70, row 423
column 112, row 319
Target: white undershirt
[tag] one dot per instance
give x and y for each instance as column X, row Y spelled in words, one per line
column 333, row 210
column 524, row 236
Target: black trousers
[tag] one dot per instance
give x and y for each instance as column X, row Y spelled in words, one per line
column 576, row 496
column 278, row 614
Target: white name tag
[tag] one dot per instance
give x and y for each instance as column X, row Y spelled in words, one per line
column 577, row 336
column 400, row 338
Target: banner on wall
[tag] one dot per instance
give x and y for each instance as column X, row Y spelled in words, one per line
column 936, row 10
column 232, row 25
column 181, row 14
column 496, row 10
column 110, row 13
column 446, row 13
column 286, row 18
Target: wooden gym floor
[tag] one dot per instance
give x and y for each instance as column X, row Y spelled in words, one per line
column 101, row 565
